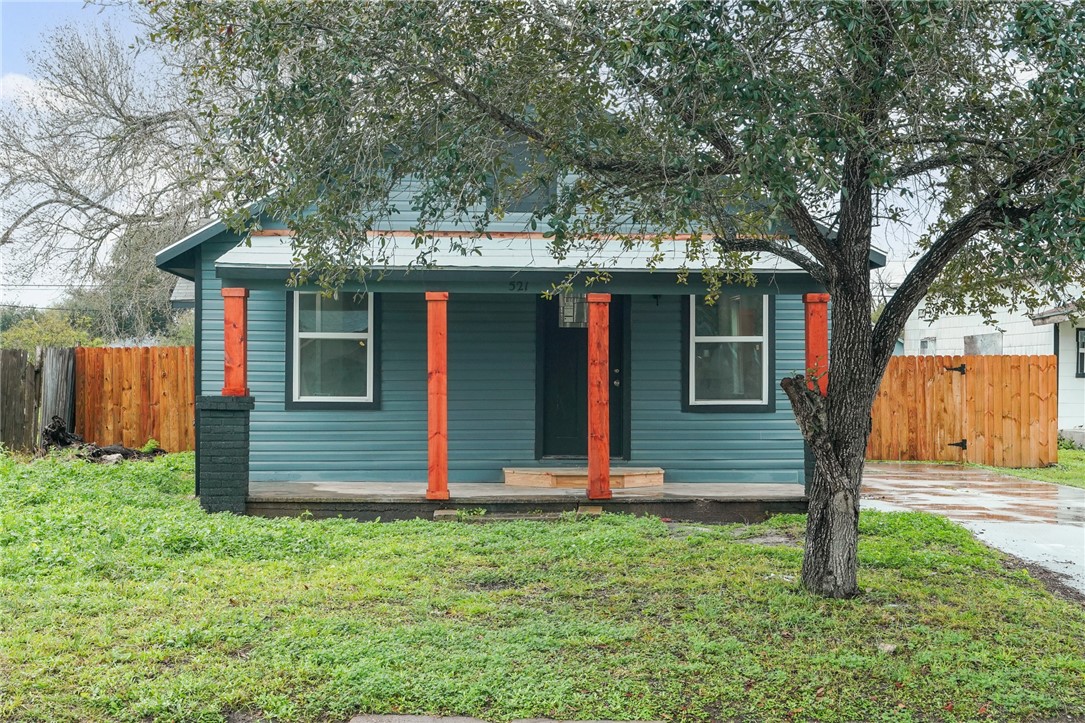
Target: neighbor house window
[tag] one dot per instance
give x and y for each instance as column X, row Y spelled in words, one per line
column 1081, row 352
column 983, row 343
column 729, row 351
column 333, row 347
column 928, row 346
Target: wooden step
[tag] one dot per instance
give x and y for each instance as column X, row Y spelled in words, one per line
column 577, row 477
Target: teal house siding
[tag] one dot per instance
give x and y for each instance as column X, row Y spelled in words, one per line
column 491, row 385
column 492, row 391
column 713, row 446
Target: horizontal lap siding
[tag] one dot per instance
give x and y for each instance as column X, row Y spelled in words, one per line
column 381, row 445
column 491, row 385
column 709, row 447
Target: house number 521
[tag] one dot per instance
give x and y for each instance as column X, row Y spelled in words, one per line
column 517, row 286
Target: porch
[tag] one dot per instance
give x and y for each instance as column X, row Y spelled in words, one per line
column 368, row 501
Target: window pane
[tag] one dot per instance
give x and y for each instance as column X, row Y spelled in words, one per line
column 728, row 370
column 734, row 315
column 333, row 367
column 349, row 313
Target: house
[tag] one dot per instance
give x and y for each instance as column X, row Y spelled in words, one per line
column 1057, row 331
column 444, row 378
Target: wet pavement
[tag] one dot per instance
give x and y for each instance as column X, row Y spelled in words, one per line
column 1036, row 521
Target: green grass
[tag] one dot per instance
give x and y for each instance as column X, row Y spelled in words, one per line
column 1069, row 471
column 121, row 600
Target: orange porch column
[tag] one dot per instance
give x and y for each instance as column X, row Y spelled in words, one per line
column 235, row 326
column 437, row 313
column 598, row 397
column 817, row 340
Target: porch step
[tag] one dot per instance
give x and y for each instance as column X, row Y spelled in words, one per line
column 577, row 477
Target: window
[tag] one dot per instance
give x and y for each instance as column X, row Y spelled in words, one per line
column 983, row 343
column 729, row 362
column 1081, row 352
column 332, row 358
column 928, row 346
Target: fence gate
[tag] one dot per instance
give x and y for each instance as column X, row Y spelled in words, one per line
column 996, row 410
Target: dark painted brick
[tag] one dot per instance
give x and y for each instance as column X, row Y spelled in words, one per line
column 223, row 452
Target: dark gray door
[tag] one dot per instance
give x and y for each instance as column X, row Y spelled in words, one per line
column 563, row 391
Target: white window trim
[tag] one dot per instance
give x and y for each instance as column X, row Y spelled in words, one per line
column 693, row 339
column 298, row 335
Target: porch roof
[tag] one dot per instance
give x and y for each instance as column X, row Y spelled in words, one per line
column 502, row 252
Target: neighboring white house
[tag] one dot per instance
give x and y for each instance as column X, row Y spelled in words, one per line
column 1046, row 332
column 1052, row 331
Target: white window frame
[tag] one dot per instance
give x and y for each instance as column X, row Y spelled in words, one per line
column 694, row 339
column 298, row 336
column 1079, row 358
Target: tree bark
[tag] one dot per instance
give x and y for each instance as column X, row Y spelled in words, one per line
column 829, row 563
column 836, row 428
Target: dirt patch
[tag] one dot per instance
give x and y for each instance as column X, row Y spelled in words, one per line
column 736, row 533
column 769, row 540
column 244, row 718
column 1054, row 582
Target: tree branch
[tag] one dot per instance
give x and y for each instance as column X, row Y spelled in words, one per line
column 986, row 214
column 777, row 248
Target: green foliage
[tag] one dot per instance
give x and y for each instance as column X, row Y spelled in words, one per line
column 48, row 328
column 729, row 118
column 152, row 445
column 121, row 600
column 182, row 331
column 1067, row 443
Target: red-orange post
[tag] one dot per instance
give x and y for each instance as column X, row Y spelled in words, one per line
column 236, row 329
column 437, row 312
column 598, row 397
column 817, row 340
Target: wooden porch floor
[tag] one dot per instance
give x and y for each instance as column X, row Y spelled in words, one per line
column 707, row 502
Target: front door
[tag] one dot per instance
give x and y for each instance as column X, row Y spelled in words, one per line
column 562, row 394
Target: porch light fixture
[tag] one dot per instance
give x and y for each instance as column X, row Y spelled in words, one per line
column 574, row 311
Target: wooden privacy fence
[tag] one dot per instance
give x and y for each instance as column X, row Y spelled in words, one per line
column 127, row 395
column 20, row 394
column 34, row 387
column 995, row 410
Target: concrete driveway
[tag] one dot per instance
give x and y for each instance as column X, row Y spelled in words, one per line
column 1036, row 521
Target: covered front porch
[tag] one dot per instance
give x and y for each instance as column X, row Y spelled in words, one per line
column 364, row 498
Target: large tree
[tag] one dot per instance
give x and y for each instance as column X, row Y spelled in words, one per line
column 98, row 170
column 720, row 119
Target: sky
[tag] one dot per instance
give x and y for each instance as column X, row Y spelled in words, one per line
column 22, row 27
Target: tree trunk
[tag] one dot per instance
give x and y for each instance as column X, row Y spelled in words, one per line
column 836, row 428
column 829, row 563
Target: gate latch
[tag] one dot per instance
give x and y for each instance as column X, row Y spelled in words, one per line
column 962, row 369
column 963, row 444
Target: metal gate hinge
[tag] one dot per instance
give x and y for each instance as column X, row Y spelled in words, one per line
column 963, row 444
column 962, row 369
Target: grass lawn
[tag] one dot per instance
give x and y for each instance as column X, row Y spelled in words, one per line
column 1069, row 471
column 121, row 600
